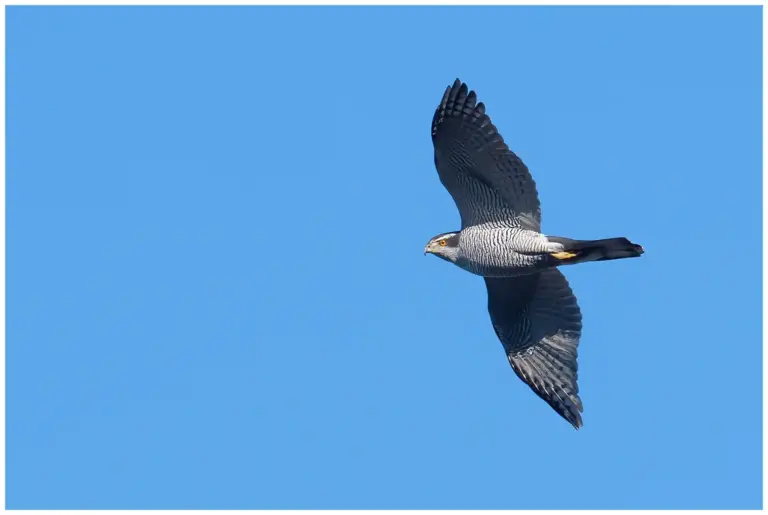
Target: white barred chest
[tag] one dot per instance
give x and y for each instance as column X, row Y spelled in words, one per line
column 498, row 251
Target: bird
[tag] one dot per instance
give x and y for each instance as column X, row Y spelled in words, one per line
column 532, row 308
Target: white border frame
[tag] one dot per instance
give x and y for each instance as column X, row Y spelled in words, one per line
column 353, row 2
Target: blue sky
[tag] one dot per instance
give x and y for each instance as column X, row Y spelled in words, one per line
column 217, row 293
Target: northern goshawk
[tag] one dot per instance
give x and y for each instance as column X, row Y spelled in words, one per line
column 532, row 308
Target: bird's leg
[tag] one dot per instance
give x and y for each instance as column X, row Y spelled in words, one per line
column 563, row 255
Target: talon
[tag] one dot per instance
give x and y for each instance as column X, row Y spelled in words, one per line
column 563, row 255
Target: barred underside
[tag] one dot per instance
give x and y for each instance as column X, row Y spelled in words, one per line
column 496, row 250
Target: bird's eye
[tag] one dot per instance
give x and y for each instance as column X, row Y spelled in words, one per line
column 441, row 243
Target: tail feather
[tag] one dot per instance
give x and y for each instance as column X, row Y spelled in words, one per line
column 580, row 251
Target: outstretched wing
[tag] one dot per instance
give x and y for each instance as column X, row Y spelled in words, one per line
column 487, row 181
column 538, row 321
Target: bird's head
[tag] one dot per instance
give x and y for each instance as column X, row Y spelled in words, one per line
column 444, row 246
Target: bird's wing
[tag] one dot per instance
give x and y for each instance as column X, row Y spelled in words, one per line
column 538, row 321
column 487, row 181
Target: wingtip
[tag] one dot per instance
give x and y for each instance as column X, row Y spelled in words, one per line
column 458, row 84
column 573, row 416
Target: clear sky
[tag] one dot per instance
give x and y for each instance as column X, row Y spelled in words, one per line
column 217, row 293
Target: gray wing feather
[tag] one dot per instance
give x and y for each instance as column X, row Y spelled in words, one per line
column 538, row 321
column 487, row 181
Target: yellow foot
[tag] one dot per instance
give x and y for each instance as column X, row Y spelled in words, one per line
column 563, row 255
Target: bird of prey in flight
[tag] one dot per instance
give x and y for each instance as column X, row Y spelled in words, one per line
column 532, row 308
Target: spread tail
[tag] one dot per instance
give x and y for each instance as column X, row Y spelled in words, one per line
column 580, row 251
